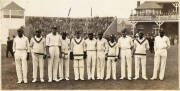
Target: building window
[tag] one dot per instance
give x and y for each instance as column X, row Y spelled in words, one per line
column 142, row 12
column 13, row 14
column 155, row 29
column 149, row 12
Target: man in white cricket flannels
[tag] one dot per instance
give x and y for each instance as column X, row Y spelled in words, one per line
column 38, row 49
column 65, row 50
column 78, row 55
column 53, row 47
column 90, row 45
column 21, row 52
column 141, row 45
column 101, row 52
column 161, row 44
column 112, row 57
column 125, row 44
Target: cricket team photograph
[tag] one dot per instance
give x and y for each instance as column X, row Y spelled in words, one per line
column 59, row 50
column 89, row 45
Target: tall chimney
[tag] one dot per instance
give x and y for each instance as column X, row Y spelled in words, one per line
column 138, row 3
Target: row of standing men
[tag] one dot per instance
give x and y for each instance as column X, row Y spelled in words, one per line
column 59, row 50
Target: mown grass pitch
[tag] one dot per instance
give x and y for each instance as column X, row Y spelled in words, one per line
column 171, row 80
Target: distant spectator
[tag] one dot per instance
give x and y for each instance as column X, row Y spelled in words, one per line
column 9, row 47
column 172, row 40
column 150, row 39
column 68, row 24
column 176, row 40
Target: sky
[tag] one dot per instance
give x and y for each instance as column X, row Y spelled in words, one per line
column 79, row 8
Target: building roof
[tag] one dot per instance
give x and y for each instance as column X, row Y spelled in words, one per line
column 150, row 5
column 13, row 6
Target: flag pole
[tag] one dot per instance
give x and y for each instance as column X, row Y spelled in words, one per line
column 69, row 18
column 91, row 11
column 91, row 18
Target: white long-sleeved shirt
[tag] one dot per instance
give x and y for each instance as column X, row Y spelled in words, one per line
column 21, row 43
column 140, row 46
column 113, row 49
column 90, row 45
column 38, row 45
column 53, row 40
column 161, row 43
column 77, row 47
column 65, row 45
column 125, row 42
column 102, row 45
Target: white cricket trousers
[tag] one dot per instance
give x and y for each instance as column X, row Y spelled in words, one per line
column 160, row 60
column 38, row 61
column 91, row 64
column 78, row 68
column 21, row 64
column 126, row 58
column 65, row 62
column 111, row 64
column 53, row 62
column 100, row 64
column 140, row 59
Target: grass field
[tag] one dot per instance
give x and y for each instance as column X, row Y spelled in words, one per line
column 171, row 81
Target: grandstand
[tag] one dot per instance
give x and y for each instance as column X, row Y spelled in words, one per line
column 17, row 18
column 69, row 25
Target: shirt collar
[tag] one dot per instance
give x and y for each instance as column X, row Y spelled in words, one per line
column 65, row 39
column 161, row 37
column 112, row 42
column 91, row 40
column 21, row 37
column 37, row 37
column 124, row 37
